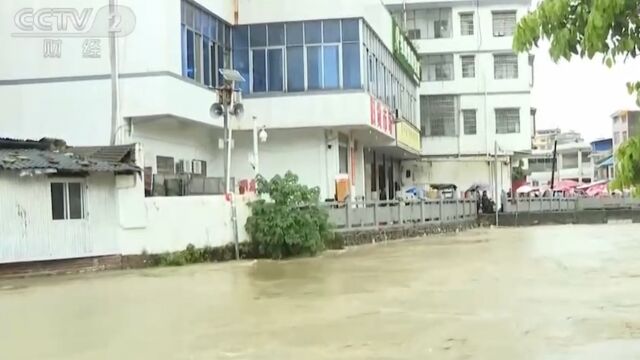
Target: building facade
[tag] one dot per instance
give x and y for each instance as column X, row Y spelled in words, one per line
column 573, row 162
column 475, row 91
column 334, row 87
column 545, row 138
column 625, row 124
column 602, row 159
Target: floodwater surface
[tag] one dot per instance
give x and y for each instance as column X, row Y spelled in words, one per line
column 563, row 292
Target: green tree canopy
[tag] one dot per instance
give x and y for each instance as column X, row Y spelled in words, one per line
column 586, row 28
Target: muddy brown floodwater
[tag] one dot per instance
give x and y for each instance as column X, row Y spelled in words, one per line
column 564, row 292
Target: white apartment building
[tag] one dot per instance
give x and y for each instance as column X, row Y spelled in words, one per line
column 475, row 91
column 332, row 85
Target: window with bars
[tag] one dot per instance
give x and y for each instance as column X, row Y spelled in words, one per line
column 505, row 66
column 469, row 120
column 438, row 115
column 507, row 121
column 466, row 24
column 438, row 67
column 165, row 165
column 504, row 23
column 468, row 66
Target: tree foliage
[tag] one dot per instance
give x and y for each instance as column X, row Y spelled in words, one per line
column 628, row 166
column 586, row 28
column 291, row 223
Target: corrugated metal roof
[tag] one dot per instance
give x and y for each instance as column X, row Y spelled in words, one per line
column 116, row 153
column 31, row 159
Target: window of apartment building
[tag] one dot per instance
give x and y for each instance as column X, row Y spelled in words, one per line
column 67, row 200
column 504, row 23
column 505, row 66
column 438, row 23
column 540, row 165
column 438, row 115
column 438, row 67
column 425, row 23
column 299, row 56
column 206, row 45
column 468, row 66
column 466, row 24
column 624, row 137
column 507, row 121
column 165, row 165
column 469, row 121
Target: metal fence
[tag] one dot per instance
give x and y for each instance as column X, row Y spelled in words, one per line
column 551, row 204
column 376, row 214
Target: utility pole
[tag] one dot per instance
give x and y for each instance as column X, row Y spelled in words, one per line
column 553, row 164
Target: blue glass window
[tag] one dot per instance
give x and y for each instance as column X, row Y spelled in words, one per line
column 206, row 62
column 295, row 68
column 190, row 56
column 259, row 71
column 350, row 30
column 241, row 63
column 212, row 63
column 213, row 29
column 227, row 36
column 314, row 67
column 351, row 65
column 294, row 33
column 276, row 34
column 331, row 67
column 221, row 64
column 241, row 37
column 312, row 32
column 331, row 31
column 221, row 27
column 258, row 35
column 274, row 62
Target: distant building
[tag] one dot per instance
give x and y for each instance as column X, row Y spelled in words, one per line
column 625, row 123
column 602, row 159
column 545, row 138
column 573, row 163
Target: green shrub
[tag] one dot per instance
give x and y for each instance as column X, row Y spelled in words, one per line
column 291, row 223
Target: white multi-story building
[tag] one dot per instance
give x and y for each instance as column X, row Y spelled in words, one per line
column 475, row 91
column 334, row 87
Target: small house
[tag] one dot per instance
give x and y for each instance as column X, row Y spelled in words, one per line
column 59, row 202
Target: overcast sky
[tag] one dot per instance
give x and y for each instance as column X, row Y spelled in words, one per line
column 581, row 94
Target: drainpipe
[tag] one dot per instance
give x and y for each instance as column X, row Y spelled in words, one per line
column 115, row 72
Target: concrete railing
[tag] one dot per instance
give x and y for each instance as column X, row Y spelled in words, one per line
column 520, row 205
column 380, row 214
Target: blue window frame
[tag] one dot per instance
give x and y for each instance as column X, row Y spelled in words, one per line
column 191, row 69
column 295, row 33
column 295, row 68
column 259, row 71
column 314, row 67
column 351, row 66
column 275, row 67
column 258, row 35
column 313, row 32
column 331, row 66
column 276, row 35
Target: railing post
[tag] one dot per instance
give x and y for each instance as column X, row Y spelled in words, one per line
column 400, row 212
column 456, row 208
column 375, row 213
column 347, row 206
column 441, row 208
column 422, row 220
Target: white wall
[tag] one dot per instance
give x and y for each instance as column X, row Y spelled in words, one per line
column 28, row 232
column 308, row 110
column 175, row 222
column 462, row 172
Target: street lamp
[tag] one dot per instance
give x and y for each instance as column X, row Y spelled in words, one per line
column 262, row 136
column 229, row 104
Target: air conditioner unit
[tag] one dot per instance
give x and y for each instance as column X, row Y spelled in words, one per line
column 183, row 167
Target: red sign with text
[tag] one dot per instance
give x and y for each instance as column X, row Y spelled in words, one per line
column 382, row 118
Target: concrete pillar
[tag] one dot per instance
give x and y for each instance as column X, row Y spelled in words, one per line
column 579, row 166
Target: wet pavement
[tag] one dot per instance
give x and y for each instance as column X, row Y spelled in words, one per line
column 563, row 292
